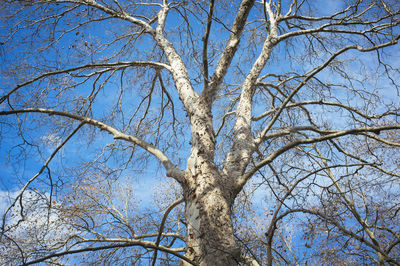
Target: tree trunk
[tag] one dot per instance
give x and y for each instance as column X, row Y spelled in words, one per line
column 209, row 195
column 209, row 224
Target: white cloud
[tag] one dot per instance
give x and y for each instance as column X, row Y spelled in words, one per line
column 42, row 228
column 52, row 139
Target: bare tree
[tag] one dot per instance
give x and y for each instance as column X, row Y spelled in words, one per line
column 296, row 101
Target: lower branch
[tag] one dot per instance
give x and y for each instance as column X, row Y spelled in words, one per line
column 172, row 170
column 144, row 244
column 328, row 136
column 169, row 209
column 19, row 196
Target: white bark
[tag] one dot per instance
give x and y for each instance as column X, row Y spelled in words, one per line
column 208, row 213
column 244, row 143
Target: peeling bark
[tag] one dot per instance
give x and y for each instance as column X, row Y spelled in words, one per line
column 209, row 196
column 209, row 224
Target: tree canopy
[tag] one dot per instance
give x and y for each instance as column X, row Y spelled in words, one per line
column 200, row 132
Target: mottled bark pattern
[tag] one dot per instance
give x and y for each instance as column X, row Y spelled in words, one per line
column 209, row 197
column 208, row 216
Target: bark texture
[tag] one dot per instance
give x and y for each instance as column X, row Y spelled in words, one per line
column 209, row 197
column 209, row 224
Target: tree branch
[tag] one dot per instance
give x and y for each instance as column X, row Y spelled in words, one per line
column 329, row 136
column 88, row 66
column 172, row 170
column 243, row 141
column 229, row 51
column 45, row 166
column 130, row 243
column 205, row 43
column 178, row 68
column 341, row 228
column 312, row 74
column 321, row 102
column 161, row 229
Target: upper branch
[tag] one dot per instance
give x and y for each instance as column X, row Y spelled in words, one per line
column 339, row 25
column 229, row 51
column 243, row 141
column 313, row 73
column 178, row 68
column 118, row 14
column 115, row 65
column 205, row 43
